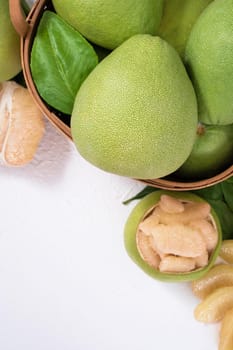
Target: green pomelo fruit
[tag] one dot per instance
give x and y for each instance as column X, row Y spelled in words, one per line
column 109, row 23
column 178, row 19
column 136, row 113
column 211, row 154
column 10, row 64
column 209, row 58
column 135, row 218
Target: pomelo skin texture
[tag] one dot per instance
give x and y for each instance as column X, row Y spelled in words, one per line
column 178, row 19
column 211, row 153
column 136, row 113
column 109, row 23
column 10, row 64
column 209, row 58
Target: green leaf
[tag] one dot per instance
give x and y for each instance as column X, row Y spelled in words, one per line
column 230, row 180
column 225, row 216
column 25, row 7
column 61, row 59
column 212, row 192
column 141, row 194
column 227, row 188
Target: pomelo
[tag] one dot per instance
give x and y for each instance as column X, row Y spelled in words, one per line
column 209, row 59
column 10, row 64
column 136, row 113
column 211, row 153
column 178, row 19
column 109, row 23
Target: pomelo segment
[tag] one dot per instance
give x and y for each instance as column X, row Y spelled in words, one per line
column 214, row 307
column 218, row 276
column 226, row 251
column 226, row 332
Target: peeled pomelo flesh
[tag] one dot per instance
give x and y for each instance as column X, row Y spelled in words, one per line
column 138, row 222
column 226, row 251
column 21, row 125
column 218, row 276
column 226, row 332
column 214, row 307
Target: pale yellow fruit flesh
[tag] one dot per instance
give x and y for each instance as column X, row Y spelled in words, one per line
column 146, row 251
column 148, row 224
column 175, row 247
column 219, row 276
column 226, row 251
column 173, row 263
column 202, row 260
column 226, row 332
column 208, row 232
column 170, row 204
column 214, row 307
column 193, row 211
column 178, row 239
column 21, row 125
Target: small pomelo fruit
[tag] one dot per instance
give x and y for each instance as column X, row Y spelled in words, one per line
column 211, row 153
column 178, row 19
column 209, row 58
column 109, row 23
column 10, row 64
column 136, row 114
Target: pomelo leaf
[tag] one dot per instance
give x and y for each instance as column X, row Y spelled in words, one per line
column 61, row 59
column 227, row 188
column 147, row 190
column 25, row 6
column 212, row 192
column 225, row 216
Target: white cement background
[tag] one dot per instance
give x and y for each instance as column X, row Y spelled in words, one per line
column 66, row 280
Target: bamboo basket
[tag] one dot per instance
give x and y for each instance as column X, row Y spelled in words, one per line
column 26, row 28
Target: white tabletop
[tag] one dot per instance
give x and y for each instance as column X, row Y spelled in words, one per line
column 67, row 282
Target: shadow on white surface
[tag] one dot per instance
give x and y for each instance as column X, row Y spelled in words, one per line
column 49, row 162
